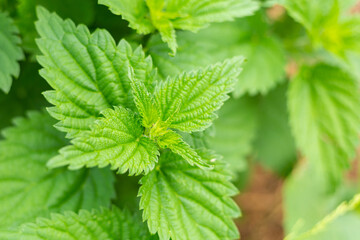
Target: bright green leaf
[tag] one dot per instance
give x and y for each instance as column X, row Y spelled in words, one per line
column 105, row 225
column 134, row 11
column 168, row 15
column 88, row 71
column 188, row 101
column 266, row 54
column 81, row 11
column 274, row 145
column 247, row 37
column 10, row 52
column 328, row 24
column 312, row 213
column 28, row 189
column 174, row 142
column 145, row 103
column 324, row 105
column 235, row 130
column 116, row 140
column 184, row 202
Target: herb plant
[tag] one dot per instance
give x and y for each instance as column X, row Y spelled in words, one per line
column 157, row 110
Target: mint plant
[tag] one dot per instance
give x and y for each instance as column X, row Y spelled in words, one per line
column 143, row 119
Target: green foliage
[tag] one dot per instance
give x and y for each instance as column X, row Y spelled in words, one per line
column 10, row 52
column 117, row 140
column 105, row 224
column 313, row 213
column 328, row 24
column 168, row 15
column 81, row 11
column 173, row 210
column 133, row 120
column 274, row 133
column 189, row 100
column 234, row 132
column 28, row 189
column 324, row 105
column 90, row 73
column 245, row 37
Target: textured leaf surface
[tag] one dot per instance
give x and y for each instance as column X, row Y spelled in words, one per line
column 175, row 143
column 28, row 189
column 134, row 11
column 105, row 224
column 168, row 15
column 116, row 140
column 145, row 104
column 10, row 52
column 173, row 210
column 88, row 71
column 313, row 212
column 189, row 100
column 324, row 105
column 235, row 130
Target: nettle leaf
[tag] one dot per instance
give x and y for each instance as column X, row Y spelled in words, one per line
column 328, row 221
column 235, row 130
column 106, row 224
column 176, row 144
column 266, row 54
column 134, row 11
column 324, row 108
column 10, row 52
column 188, row 101
column 274, row 132
column 247, row 37
column 28, row 189
column 81, row 11
column 184, row 202
column 88, row 71
column 117, row 139
column 145, row 103
column 168, row 15
column 328, row 24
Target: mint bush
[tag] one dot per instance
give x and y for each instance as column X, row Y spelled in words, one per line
column 156, row 112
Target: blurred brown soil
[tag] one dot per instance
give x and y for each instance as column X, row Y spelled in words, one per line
column 261, row 205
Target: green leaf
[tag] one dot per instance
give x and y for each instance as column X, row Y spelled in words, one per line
column 313, row 212
column 235, row 130
column 28, row 189
column 106, row 224
column 168, row 15
column 328, row 24
column 10, row 52
column 134, row 11
column 247, row 37
column 184, row 202
column 117, row 139
column 327, row 222
column 88, row 71
column 175, row 143
column 312, row 14
column 266, row 54
column 188, row 101
column 324, row 105
column 81, row 11
column 145, row 103
column 274, row 132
